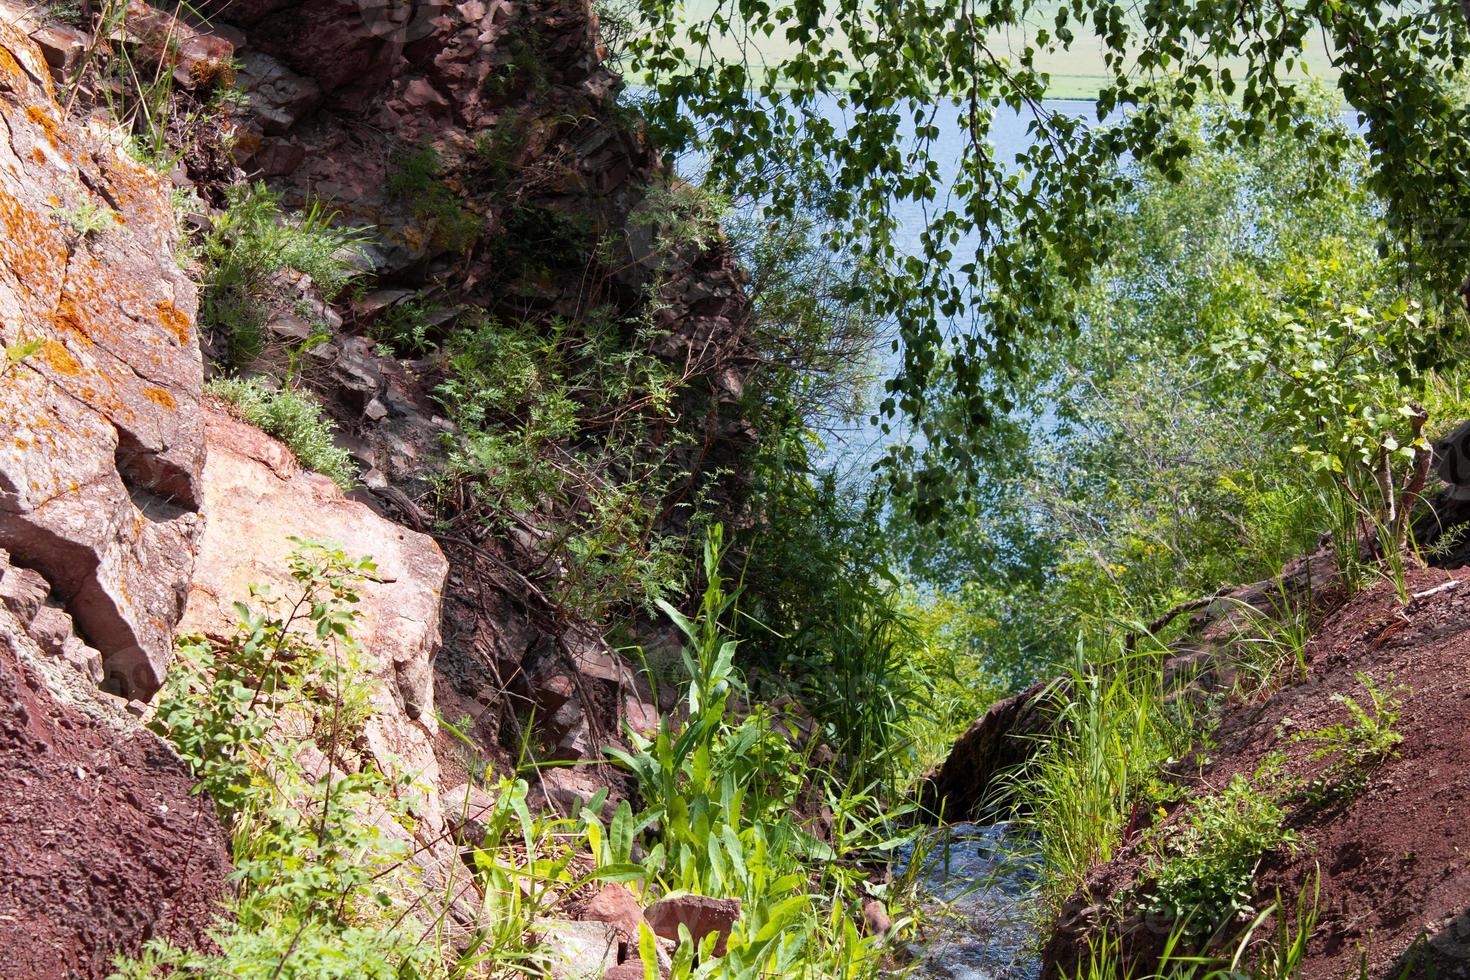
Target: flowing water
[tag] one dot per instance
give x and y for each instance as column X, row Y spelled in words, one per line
column 979, row 886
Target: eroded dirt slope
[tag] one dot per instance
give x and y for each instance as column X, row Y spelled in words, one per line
column 103, row 844
column 1394, row 859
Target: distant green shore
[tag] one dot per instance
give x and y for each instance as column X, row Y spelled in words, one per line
column 1077, row 73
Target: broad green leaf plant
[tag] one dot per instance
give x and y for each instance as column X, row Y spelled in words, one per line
column 1346, row 390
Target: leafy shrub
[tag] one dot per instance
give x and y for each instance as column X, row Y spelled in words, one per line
column 251, row 243
column 404, row 329
column 1248, row 956
column 1345, row 392
column 292, row 417
column 316, row 887
column 557, row 428
column 1202, row 868
column 16, row 353
column 86, row 220
column 1357, row 746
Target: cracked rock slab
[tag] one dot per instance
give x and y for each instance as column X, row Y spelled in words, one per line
column 101, row 444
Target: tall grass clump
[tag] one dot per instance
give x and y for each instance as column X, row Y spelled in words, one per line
column 1272, row 946
column 292, row 417
column 1093, row 773
column 724, row 796
column 248, row 257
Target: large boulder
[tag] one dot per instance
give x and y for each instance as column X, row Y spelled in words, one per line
column 103, row 443
column 1003, row 738
column 261, row 505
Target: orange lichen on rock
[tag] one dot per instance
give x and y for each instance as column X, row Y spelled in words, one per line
column 159, row 397
column 43, row 119
column 69, row 319
column 8, row 64
column 23, row 244
column 60, row 359
column 176, row 321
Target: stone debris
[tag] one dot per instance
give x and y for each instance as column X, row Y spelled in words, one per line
column 619, row 908
column 700, row 915
column 577, row 950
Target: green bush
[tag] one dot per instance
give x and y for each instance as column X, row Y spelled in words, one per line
column 1345, row 393
column 1202, row 868
column 294, row 418
column 560, row 430
column 243, row 255
column 1116, row 726
column 316, row 886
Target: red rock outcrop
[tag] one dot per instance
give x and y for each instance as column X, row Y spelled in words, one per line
column 102, row 843
column 103, row 442
column 262, row 506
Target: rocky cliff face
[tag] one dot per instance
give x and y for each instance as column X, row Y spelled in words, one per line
column 519, row 111
column 261, row 505
column 104, row 442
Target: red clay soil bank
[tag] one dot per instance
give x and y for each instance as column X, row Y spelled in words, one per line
column 101, row 845
column 1394, row 860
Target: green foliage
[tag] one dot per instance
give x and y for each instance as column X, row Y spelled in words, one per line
column 524, row 71
column 829, row 624
column 723, row 797
column 567, row 434
column 445, row 222
column 86, row 220
column 1265, row 644
column 1278, row 955
column 497, row 148
column 247, row 255
column 293, row 417
column 1202, row 868
column 1138, row 469
column 131, row 74
column 314, row 891
column 819, row 347
column 1116, row 727
column 14, row 354
column 1034, row 229
column 524, row 867
column 404, row 329
column 1357, row 746
column 1344, row 388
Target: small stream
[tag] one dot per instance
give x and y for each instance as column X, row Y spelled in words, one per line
column 980, row 885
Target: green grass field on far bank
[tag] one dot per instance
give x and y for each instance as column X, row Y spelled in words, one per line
column 1078, row 72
